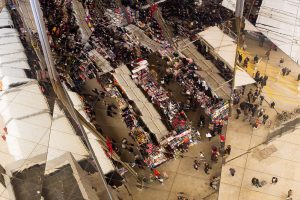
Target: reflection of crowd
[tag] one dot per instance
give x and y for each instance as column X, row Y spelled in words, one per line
column 115, row 45
column 250, row 107
column 225, row 71
column 195, row 18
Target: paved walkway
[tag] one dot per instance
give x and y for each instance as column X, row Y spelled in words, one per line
column 279, row 158
column 283, row 90
column 249, row 156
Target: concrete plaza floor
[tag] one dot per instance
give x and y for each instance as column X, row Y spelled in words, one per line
column 283, row 90
column 182, row 178
column 250, row 157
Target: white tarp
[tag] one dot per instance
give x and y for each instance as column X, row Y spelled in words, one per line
column 279, row 21
column 8, row 81
column 9, row 40
column 32, row 132
column 8, row 32
column 229, row 4
column 224, row 47
column 15, row 57
column 80, row 17
column 11, row 48
column 150, row 116
column 242, row 78
column 100, row 61
column 18, row 65
column 221, row 44
column 63, row 138
column 5, row 19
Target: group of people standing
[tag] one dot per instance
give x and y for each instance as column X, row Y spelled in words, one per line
column 251, row 107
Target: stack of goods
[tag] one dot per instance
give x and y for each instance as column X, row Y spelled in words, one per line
column 157, row 94
column 116, row 17
column 129, row 118
column 180, row 123
column 195, row 87
column 140, row 136
column 156, row 157
column 182, row 133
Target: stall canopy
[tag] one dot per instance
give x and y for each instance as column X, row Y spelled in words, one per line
column 224, row 47
column 105, row 162
column 100, row 61
column 140, row 35
column 63, row 139
column 241, row 78
column 150, row 116
column 80, row 17
column 5, row 19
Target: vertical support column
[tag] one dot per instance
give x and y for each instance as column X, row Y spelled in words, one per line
column 158, row 17
column 58, row 87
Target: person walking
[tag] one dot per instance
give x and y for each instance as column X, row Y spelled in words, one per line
column 240, row 58
column 209, row 136
column 228, row 149
column 265, row 118
column 289, row 196
column 288, row 71
column 281, row 61
column 261, row 99
column 250, row 95
column 238, row 112
column 196, row 164
column 256, row 76
column 232, row 171
column 274, row 180
column 255, row 59
column 267, row 54
column 255, row 182
column 206, row 168
column 264, row 81
column 222, row 141
column 272, row 105
column 202, row 157
column 298, row 78
column 261, row 40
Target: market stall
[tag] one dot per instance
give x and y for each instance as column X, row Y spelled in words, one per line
column 5, row 19
column 147, row 110
column 198, row 92
column 152, row 154
column 140, row 36
column 183, row 134
column 80, row 16
column 222, row 46
column 100, row 61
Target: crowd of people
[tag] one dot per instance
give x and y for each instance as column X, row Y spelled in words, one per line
column 114, row 43
column 196, row 18
column 250, row 105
